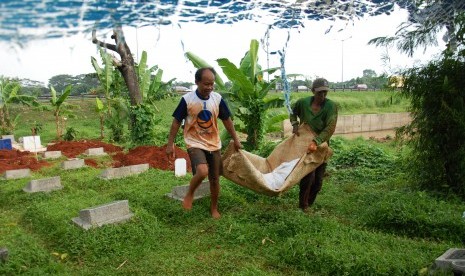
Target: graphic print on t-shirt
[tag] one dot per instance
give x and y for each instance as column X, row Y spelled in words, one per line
column 204, row 118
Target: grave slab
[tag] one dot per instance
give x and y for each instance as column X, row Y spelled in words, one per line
column 451, row 255
column 52, row 154
column 72, row 164
column 3, row 254
column 95, row 152
column 15, row 174
column 114, row 212
column 179, row 192
column 121, row 172
column 43, row 185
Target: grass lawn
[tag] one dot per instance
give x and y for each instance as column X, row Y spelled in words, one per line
column 366, row 221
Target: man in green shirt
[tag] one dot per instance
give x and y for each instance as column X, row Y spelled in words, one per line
column 320, row 114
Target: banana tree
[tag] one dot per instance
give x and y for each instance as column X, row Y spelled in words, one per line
column 150, row 81
column 61, row 110
column 100, row 109
column 152, row 89
column 105, row 75
column 10, row 93
column 247, row 96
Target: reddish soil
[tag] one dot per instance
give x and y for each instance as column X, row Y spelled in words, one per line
column 155, row 156
column 72, row 149
column 15, row 159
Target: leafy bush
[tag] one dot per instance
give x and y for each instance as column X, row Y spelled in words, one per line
column 70, row 134
column 359, row 156
column 437, row 130
column 143, row 125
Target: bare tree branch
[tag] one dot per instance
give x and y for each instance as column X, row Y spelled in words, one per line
column 102, row 44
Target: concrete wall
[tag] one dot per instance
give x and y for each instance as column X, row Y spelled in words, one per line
column 371, row 122
column 360, row 123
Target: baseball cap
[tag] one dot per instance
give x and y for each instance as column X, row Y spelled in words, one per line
column 320, row 84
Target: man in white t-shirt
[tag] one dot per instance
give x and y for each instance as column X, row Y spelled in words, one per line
column 201, row 109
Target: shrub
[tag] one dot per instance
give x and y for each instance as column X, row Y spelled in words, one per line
column 437, row 130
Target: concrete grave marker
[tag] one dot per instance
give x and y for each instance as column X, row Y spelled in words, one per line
column 3, row 255
column 15, row 174
column 114, row 173
column 52, row 154
column 95, row 151
column 452, row 255
column 43, row 185
column 71, row 164
column 458, row 267
column 179, row 192
column 114, row 212
column 11, row 137
column 32, row 144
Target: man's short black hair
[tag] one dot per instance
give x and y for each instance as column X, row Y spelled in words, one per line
column 198, row 74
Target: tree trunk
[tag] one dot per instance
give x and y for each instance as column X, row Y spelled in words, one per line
column 125, row 65
column 57, row 124
column 102, row 128
column 9, row 124
column 2, row 120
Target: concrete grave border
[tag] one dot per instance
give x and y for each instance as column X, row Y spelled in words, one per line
column 16, row 174
column 121, row 172
column 52, row 154
column 178, row 192
column 72, row 164
column 110, row 213
column 451, row 255
column 43, row 185
column 3, row 254
column 95, row 152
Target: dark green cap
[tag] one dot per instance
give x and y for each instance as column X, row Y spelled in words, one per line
column 320, row 84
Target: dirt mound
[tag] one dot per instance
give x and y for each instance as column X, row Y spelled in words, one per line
column 155, row 156
column 15, row 159
column 72, row 149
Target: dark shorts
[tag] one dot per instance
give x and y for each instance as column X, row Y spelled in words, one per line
column 211, row 158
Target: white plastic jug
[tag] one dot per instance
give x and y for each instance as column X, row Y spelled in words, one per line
column 180, row 167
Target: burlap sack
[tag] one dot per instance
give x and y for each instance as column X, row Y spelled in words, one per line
column 247, row 169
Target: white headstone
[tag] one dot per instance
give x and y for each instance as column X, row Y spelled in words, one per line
column 180, row 167
column 32, row 143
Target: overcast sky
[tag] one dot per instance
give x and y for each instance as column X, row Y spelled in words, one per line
column 337, row 56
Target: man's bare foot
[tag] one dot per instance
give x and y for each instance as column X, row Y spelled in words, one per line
column 187, row 202
column 215, row 214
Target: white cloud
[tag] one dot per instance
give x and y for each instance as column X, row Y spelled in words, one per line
column 310, row 52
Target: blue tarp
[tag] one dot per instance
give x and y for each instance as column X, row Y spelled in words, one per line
column 21, row 20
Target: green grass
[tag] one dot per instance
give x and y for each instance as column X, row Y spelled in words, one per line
column 364, row 102
column 365, row 221
column 360, row 225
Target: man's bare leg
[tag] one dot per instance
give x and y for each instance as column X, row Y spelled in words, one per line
column 214, row 194
column 201, row 173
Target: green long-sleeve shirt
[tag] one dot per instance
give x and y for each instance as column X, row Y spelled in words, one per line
column 323, row 122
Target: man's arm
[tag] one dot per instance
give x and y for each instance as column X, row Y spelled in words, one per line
column 173, row 131
column 228, row 124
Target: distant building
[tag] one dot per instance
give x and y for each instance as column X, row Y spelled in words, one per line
column 360, row 86
column 302, row 88
column 181, row 89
